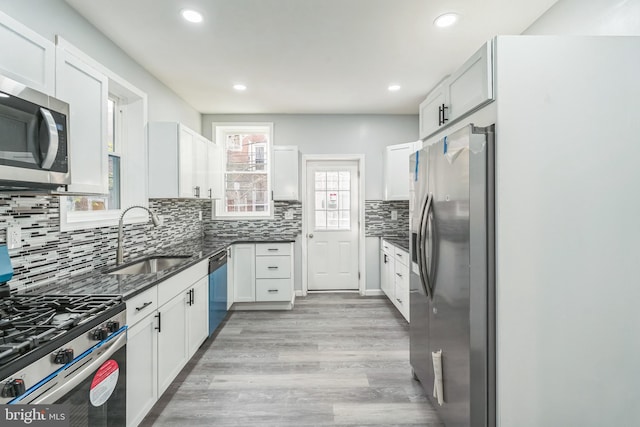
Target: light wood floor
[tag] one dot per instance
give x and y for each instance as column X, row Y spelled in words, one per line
column 334, row 360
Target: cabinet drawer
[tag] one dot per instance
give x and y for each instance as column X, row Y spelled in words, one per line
column 273, row 267
column 273, row 249
column 273, row 290
column 141, row 305
column 387, row 247
column 401, row 256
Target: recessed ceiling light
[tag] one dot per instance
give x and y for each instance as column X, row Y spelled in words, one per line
column 191, row 15
column 446, row 20
column 394, row 88
column 239, row 87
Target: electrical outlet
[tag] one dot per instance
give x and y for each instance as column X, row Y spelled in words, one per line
column 288, row 214
column 14, row 237
column 394, row 215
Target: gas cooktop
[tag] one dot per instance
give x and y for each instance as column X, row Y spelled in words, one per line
column 33, row 326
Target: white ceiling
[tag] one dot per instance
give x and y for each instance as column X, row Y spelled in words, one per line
column 304, row 56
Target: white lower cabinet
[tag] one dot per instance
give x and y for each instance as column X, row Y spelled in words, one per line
column 172, row 341
column 262, row 275
column 198, row 315
column 142, row 358
column 394, row 276
column 167, row 324
column 243, row 270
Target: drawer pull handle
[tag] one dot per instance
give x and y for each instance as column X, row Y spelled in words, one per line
column 399, row 300
column 400, row 255
column 273, row 249
column 272, row 268
column 398, row 274
column 143, row 306
column 272, row 291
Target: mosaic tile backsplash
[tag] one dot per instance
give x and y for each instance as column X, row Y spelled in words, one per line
column 49, row 254
column 378, row 222
column 277, row 228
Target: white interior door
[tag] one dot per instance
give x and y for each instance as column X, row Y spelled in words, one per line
column 332, row 227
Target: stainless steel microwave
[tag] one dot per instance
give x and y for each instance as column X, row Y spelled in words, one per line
column 34, row 138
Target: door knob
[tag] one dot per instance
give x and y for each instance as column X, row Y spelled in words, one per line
column 310, row 235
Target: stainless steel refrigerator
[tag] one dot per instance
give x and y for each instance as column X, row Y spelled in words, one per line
column 452, row 275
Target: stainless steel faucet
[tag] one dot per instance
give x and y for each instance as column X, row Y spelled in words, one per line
column 120, row 251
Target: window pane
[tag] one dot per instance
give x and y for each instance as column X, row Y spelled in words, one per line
column 111, row 126
column 246, row 192
column 345, row 180
column 321, row 180
column 247, row 152
column 332, row 200
column 345, row 200
column 332, row 180
column 345, row 220
column 321, row 200
column 332, row 219
column 113, row 200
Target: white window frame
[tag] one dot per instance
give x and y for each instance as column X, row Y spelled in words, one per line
column 219, row 130
column 132, row 127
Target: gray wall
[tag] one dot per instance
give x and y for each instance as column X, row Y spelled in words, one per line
column 590, row 17
column 336, row 134
column 54, row 17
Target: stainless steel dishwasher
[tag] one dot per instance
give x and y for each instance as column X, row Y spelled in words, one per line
column 217, row 290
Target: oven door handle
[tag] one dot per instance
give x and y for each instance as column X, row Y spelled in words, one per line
column 60, row 390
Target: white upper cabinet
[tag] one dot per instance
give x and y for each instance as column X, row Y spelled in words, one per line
column 86, row 90
column 26, row 56
column 286, row 177
column 470, row 87
column 396, row 171
column 430, row 117
column 179, row 164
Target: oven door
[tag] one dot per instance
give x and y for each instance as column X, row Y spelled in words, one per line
column 93, row 385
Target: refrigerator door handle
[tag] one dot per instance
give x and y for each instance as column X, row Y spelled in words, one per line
column 422, row 260
column 429, row 269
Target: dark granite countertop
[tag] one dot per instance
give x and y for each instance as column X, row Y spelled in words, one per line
column 129, row 285
column 401, row 242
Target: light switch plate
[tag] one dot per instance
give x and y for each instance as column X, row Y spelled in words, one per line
column 14, row 237
column 394, row 215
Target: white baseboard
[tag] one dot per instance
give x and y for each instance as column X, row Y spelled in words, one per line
column 373, row 292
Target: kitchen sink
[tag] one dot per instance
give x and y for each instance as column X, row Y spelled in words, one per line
column 151, row 265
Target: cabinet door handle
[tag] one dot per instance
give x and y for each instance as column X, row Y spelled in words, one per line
column 210, row 193
column 158, row 328
column 442, row 119
column 272, row 268
column 272, row 291
column 273, row 249
column 399, row 300
column 193, row 296
column 398, row 274
column 143, row 306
